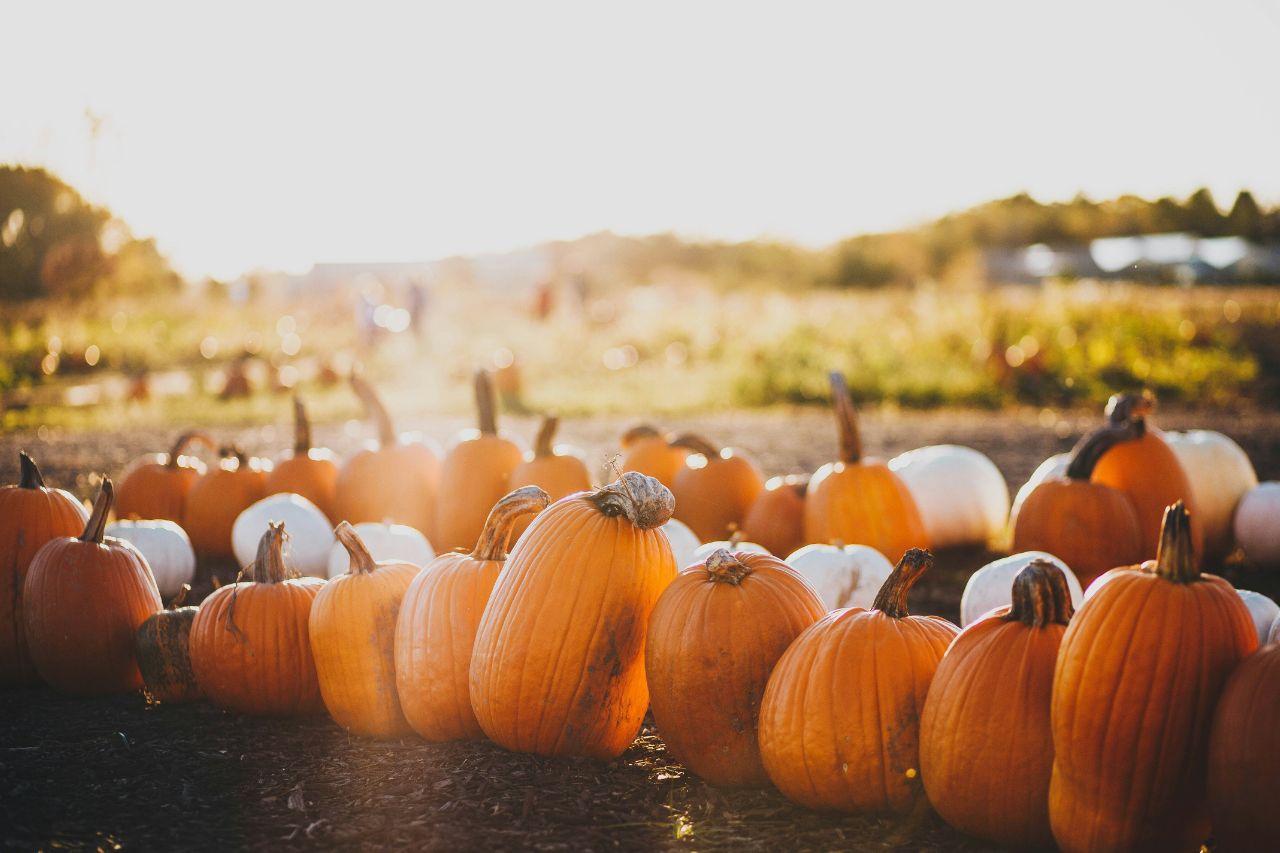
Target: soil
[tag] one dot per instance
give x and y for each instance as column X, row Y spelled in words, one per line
column 120, row 773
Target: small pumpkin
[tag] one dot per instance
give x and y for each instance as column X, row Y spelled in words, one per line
column 166, row 548
column 161, row 644
column 1221, row 474
column 385, row 542
column 310, row 471
column 842, row 575
column 714, row 637
column 962, row 496
column 776, row 516
column 156, row 485
column 1262, row 610
column 992, row 585
column 1257, row 525
column 83, row 599
column 1055, row 467
column 557, row 470
column 715, row 488
column 218, row 497
column 436, row 629
column 647, row 450
column 306, row 549
column 684, row 542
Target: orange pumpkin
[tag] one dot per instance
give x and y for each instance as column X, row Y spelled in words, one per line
column 218, row 497
column 83, row 600
column 162, row 645
column 436, row 629
column 31, row 514
column 564, row 629
column 1138, row 676
column 558, row 471
column 859, row 499
column 776, row 517
column 714, row 637
column 650, row 452
column 839, row 722
column 250, row 649
column 395, row 480
column 311, row 471
column 476, row 474
column 986, row 748
column 715, row 488
column 1089, row 526
column 156, row 486
column 353, row 629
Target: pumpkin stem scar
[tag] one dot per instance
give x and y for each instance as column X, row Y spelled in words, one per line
column 724, row 567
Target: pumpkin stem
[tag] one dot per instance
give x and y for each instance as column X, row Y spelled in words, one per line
column 735, row 535
column 638, row 432
column 362, row 562
column 486, row 403
column 180, row 597
column 96, row 527
column 301, row 428
column 1175, row 558
column 31, row 478
column 1122, row 408
column 1090, row 448
column 387, row 435
column 891, row 600
column 697, row 443
column 846, row 420
column 644, row 501
column 233, row 451
column 724, row 567
column 543, row 445
column 268, row 566
column 187, row 438
column 496, row 534
column 1040, row 596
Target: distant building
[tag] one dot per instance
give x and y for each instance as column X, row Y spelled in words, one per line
column 1182, row 258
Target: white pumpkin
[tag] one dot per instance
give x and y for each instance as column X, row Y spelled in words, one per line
column 1221, row 474
column 843, row 576
column 992, row 585
column 1257, row 525
column 398, row 543
column 166, row 548
column 706, row 549
column 1054, row 466
column 1264, row 611
column 962, row 496
column 684, row 542
column 306, row 549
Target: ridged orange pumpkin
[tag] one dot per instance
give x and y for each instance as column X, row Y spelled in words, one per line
column 1089, row 526
column 31, row 514
column 83, row 600
column 859, row 499
column 648, row 451
column 310, row 471
column 558, row 471
column 986, row 747
column 714, row 637
column 476, row 474
column 1139, row 674
column 218, row 497
column 353, row 630
column 715, row 488
column 558, row 665
column 436, row 629
column 162, row 645
column 250, row 649
column 395, row 480
column 776, row 517
column 840, row 718
column 156, row 486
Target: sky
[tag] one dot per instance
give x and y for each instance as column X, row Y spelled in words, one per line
column 275, row 135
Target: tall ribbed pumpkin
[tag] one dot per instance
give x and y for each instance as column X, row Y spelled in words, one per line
column 31, row 514
column 558, row 471
column 558, row 665
column 859, row 499
column 1138, row 677
column 986, row 746
column 436, row 629
column 218, row 497
column 310, row 471
column 647, row 450
column 714, row 637
column 715, row 488
column 156, row 486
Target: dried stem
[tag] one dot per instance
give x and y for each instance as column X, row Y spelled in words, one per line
column 724, row 567
column 697, row 443
column 1041, row 596
column 495, row 537
column 387, row 435
column 644, row 501
column 301, row 428
column 846, row 420
column 30, row 478
column 1176, row 558
column 486, row 403
column 1090, row 448
column 362, row 562
column 187, row 438
column 96, row 527
column 544, row 444
column 891, row 600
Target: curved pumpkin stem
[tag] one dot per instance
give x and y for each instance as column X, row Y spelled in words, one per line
column 496, row 534
column 96, row 527
column 187, row 438
column 301, row 428
column 846, row 420
column 180, row 597
column 268, row 566
column 30, row 478
column 1123, row 408
column 1040, row 596
column 1176, row 558
column 233, row 451
column 891, row 600
column 486, row 403
column 644, row 501
column 362, row 562
column 544, row 444
column 724, row 567
column 638, row 432
column 1090, row 448
column 697, row 443
column 387, row 435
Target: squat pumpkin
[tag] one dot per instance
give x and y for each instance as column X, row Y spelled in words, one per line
column 776, row 516
column 156, row 485
column 218, row 497
column 647, row 450
column 162, row 644
column 715, row 488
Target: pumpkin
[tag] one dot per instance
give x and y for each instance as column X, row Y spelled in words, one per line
column 776, row 516
column 218, row 497
column 477, row 473
column 860, row 500
column 1257, row 525
column 986, row 746
column 648, row 451
column 385, row 542
column 1243, row 745
column 1089, row 526
column 842, row 575
column 436, row 629
column 962, row 497
column 992, row 585
column 715, row 488
column 31, row 514
column 1148, row 472
column 564, row 629
column 156, row 485
column 166, row 548
column 83, row 599
column 714, row 637
column 310, row 471
column 161, row 644
column 557, row 470
column 684, row 542
column 1262, row 610
column 733, row 544
column 306, row 549
column 250, row 648
column 839, row 722
column 1140, row 670
column 1052, row 468
column 396, row 479
column 353, row 632
column 1221, row 474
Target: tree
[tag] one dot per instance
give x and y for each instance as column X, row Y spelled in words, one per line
column 1202, row 215
column 1245, row 218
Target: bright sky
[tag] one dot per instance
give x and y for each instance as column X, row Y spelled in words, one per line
column 273, row 135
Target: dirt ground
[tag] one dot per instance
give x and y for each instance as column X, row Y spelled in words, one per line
column 118, row 773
